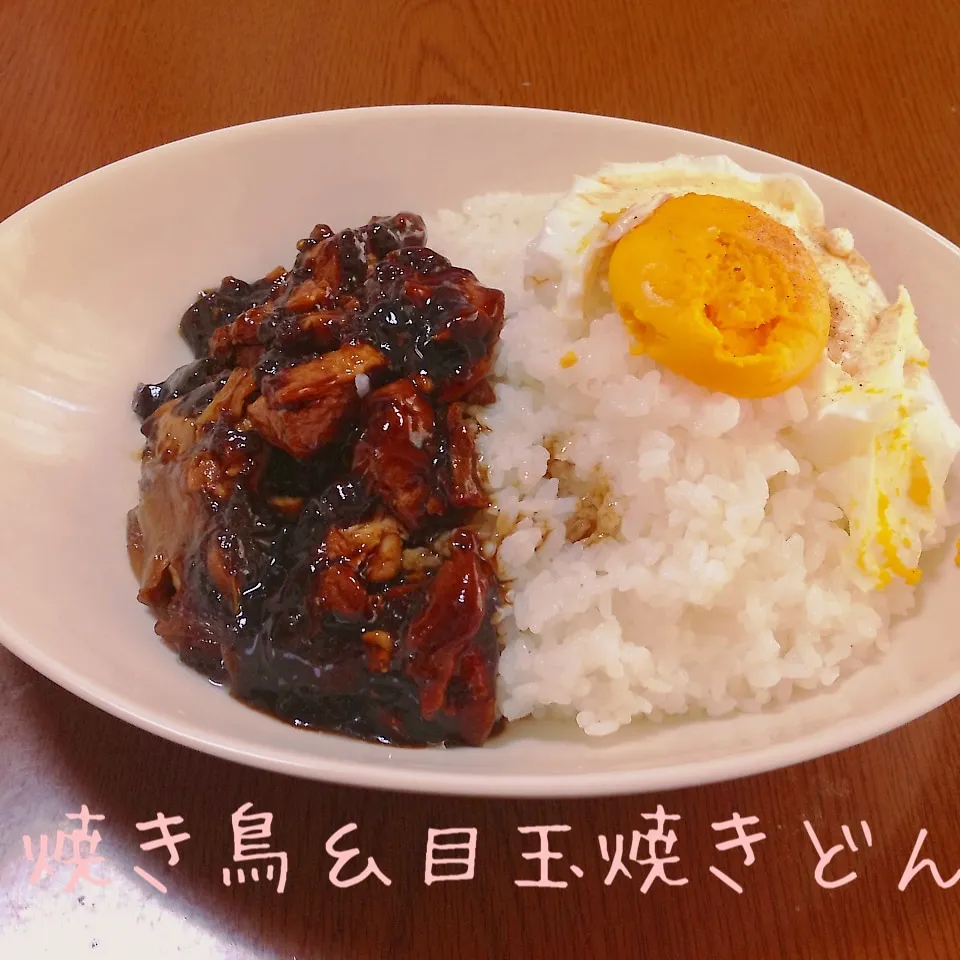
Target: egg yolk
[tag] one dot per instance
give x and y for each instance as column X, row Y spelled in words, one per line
column 721, row 294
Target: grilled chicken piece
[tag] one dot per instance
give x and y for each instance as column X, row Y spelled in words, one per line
column 302, row 408
column 193, row 468
column 231, row 398
column 436, row 322
column 239, row 342
column 375, row 548
column 235, row 322
column 199, row 640
column 395, row 454
column 341, row 591
column 465, row 321
column 453, row 638
column 464, row 487
column 218, row 308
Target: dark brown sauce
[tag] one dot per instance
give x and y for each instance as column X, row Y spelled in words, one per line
column 304, row 537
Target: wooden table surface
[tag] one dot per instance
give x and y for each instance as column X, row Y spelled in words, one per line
column 867, row 90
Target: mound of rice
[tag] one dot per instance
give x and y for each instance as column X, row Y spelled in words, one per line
column 665, row 550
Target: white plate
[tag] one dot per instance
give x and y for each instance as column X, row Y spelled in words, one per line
column 93, row 279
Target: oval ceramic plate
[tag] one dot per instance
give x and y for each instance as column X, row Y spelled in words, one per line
column 93, row 279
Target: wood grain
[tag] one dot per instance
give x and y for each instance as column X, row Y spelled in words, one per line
column 866, row 91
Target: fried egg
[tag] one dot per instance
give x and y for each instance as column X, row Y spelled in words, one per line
column 732, row 280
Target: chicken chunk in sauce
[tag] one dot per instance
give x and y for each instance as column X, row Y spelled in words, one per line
column 305, row 533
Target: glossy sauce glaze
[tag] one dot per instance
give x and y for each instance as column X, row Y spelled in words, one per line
column 306, row 530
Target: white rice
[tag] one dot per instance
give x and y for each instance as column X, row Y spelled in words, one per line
column 722, row 589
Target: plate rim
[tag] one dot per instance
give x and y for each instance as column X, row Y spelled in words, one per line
column 346, row 113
